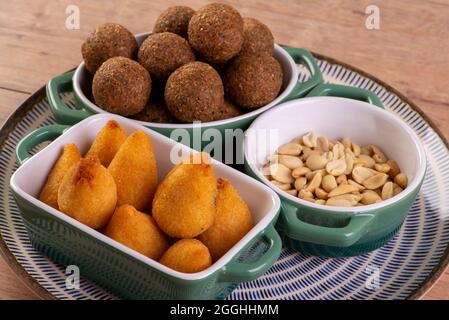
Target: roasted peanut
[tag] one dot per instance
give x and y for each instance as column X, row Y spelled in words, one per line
column 315, row 182
column 360, row 174
column 370, row 197
column 387, row 190
column 300, row 183
column 291, row 149
column 290, row 162
column 298, row 172
column 281, row 173
column 336, row 167
column 329, row 183
column 401, row 180
column 342, row 189
column 375, row 181
column 310, row 140
column 394, row 168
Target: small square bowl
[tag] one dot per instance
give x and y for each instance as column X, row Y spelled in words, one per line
column 118, row 268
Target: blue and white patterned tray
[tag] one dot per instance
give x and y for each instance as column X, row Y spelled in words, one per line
column 404, row 268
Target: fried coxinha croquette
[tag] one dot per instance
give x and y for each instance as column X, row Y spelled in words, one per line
column 187, row 255
column 107, row 142
column 232, row 221
column 134, row 171
column 70, row 156
column 138, row 231
column 88, row 193
column 184, row 203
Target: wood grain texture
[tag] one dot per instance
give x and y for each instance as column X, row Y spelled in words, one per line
column 409, row 52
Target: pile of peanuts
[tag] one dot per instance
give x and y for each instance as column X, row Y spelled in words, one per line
column 334, row 173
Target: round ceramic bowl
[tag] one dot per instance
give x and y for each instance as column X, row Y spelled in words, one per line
column 337, row 231
column 81, row 82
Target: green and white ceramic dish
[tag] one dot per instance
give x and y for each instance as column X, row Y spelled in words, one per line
column 124, row 271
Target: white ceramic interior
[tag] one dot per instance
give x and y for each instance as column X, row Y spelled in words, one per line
column 262, row 201
column 336, row 118
column 82, row 81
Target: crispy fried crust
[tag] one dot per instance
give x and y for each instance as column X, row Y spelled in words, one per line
column 187, row 255
column 175, row 19
column 135, row 172
column 88, row 193
column 257, row 37
column 138, row 231
column 69, row 157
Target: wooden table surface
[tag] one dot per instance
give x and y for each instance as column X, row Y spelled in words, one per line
column 409, row 52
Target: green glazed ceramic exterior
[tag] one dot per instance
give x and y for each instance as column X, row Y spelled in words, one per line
column 119, row 272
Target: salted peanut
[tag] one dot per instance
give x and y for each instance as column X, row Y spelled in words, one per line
column 369, row 162
column 346, row 200
column 356, row 149
column 387, row 190
column 320, row 193
column 297, row 140
column 355, row 184
column 378, row 155
column 329, row 155
column 323, row 144
column 315, row 182
column 375, row 181
column 382, row 167
column 69, row 157
column 107, row 142
column 338, row 150
column 316, row 162
column 292, row 192
column 396, row 189
column 336, row 167
column 300, row 183
column 346, row 142
column 342, row 179
column 401, row 180
column 360, row 174
column 320, row 201
column 310, row 140
column 309, row 199
column 134, row 171
column 290, row 162
column 329, row 183
column 308, row 153
column 366, row 151
column 304, row 194
column 291, row 149
column 349, row 163
column 310, row 175
column 274, row 158
column 349, row 151
column 342, row 189
column 370, row 197
column 280, row 185
column 394, row 168
column 298, row 172
column 281, row 173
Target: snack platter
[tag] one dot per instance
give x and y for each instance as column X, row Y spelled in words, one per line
column 408, row 264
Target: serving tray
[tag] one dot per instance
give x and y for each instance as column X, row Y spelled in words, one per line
column 404, row 268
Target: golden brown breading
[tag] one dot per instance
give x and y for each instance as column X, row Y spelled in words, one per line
column 135, row 172
column 107, row 142
column 184, row 203
column 138, row 231
column 232, row 221
column 70, row 156
column 88, row 193
column 187, row 255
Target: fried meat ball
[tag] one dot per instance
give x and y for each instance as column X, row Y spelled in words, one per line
column 69, row 157
column 155, row 111
column 228, row 110
column 88, row 193
column 216, row 32
column 135, row 172
column 253, row 81
column 232, row 221
column 257, row 37
column 187, row 255
column 194, row 92
column 184, row 203
column 107, row 142
column 121, row 86
column 175, row 19
column 138, row 231
column 107, row 41
column 163, row 53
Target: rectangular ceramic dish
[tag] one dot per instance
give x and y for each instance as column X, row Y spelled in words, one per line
column 118, row 268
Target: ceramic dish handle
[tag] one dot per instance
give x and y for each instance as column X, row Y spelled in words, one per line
column 328, row 236
column 304, row 57
column 336, row 90
column 237, row 271
column 62, row 113
column 48, row 133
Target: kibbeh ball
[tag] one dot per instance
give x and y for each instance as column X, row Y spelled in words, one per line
column 227, row 111
column 216, row 32
column 175, row 19
column 155, row 111
column 252, row 81
column 163, row 53
column 121, row 86
column 194, row 92
column 257, row 37
column 107, row 41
